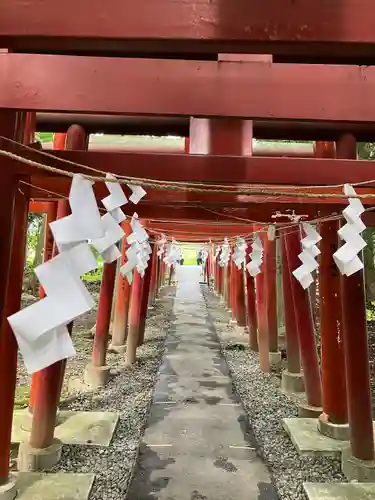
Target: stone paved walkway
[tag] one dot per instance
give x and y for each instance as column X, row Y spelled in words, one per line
column 197, row 445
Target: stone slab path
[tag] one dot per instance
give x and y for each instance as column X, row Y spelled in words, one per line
column 198, row 444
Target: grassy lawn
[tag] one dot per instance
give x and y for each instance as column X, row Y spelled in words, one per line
column 190, row 255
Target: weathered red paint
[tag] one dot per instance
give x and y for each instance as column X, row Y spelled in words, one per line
column 261, row 304
column 331, row 325
column 252, row 320
column 277, row 90
column 304, row 323
column 217, row 27
column 271, row 293
column 8, row 344
column 154, row 274
column 357, row 369
column 145, row 299
column 291, row 334
column 122, row 297
column 103, row 320
column 134, row 318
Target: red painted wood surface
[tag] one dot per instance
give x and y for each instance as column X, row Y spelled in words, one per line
column 269, row 269
column 122, row 297
column 8, row 343
column 291, row 333
column 247, row 26
column 357, row 367
column 163, row 87
column 304, row 323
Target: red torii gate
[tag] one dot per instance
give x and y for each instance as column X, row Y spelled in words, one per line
column 221, row 89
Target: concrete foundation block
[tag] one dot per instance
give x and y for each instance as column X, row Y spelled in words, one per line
column 9, row 491
column 331, row 430
column 97, row 376
column 60, row 486
column 275, row 360
column 119, row 349
column 339, row 491
column 307, row 411
column 361, row 471
column 35, row 459
column 292, row 382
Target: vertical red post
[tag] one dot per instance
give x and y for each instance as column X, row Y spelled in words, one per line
column 333, row 364
column 252, row 320
column 305, row 330
column 145, row 297
column 271, row 293
column 154, row 274
column 134, row 319
column 357, row 370
column 107, row 286
column 240, row 312
column 292, row 378
column 8, row 344
column 122, row 299
column 232, row 285
column 261, row 303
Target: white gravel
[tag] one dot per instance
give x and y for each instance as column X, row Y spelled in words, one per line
column 129, row 394
column 267, row 406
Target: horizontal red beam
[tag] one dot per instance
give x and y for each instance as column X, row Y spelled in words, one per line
column 206, row 168
column 187, row 88
column 247, row 26
column 61, row 186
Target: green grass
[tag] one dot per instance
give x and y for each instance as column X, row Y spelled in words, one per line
column 190, row 255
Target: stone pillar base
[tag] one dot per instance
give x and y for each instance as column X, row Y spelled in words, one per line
column 340, row 432
column 292, row 382
column 275, row 360
column 307, row 411
column 97, row 376
column 119, row 349
column 35, row 459
column 8, row 491
column 361, row 471
column 233, row 322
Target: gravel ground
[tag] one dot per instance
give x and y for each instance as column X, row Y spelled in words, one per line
column 266, row 406
column 129, row 394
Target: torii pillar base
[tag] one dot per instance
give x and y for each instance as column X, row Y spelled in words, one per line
column 308, row 411
column 292, row 382
column 340, row 432
column 119, row 349
column 34, row 459
column 360, row 471
column 97, row 376
column 8, row 491
column 275, row 361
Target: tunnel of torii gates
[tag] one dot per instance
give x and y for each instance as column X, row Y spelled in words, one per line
column 213, row 83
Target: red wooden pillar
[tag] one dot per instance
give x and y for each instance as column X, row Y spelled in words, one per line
column 103, row 321
column 232, row 285
column 305, row 330
column 356, row 351
column 145, row 297
column 228, row 285
column 240, row 311
column 8, row 344
column 122, row 300
column 292, row 378
column 252, row 320
column 134, row 319
column 333, row 365
column 154, row 275
column 261, row 303
column 271, row 293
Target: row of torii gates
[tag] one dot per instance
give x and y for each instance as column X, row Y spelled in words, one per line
column 201, row 71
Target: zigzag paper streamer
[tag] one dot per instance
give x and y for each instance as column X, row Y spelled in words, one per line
column 239, row 254
column 40, row 329
column 115, row 200
column 225, row 254
column 256, row 257
column 137, row 193
column 309, row 252
column 138, row 253
column 346, row 257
